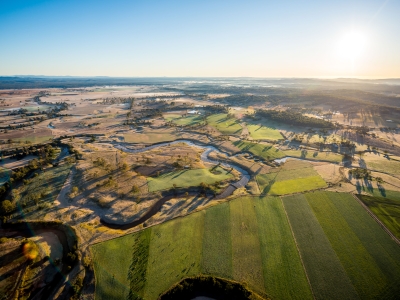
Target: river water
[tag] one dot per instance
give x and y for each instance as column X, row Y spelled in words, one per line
column 204, row 156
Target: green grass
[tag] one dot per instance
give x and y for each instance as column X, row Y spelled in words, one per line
column 267, row 152
column 386, row 209
column 387, row 166
column 48, row 184
column 149, row 138
column 260, row 132
column 224, row 124
column 284, row 276
column 326, row 274
column 175, row 253
column 111, row 265
column 315, row 155
column 378, row 244
column 385, row 194
column 188, row 120
column 326, row 237
column 186, row 178
column 361, row 268
column 290, row 181
column 217, row 242
column 246, row 249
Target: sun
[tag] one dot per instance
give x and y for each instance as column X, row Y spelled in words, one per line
column 352, row 45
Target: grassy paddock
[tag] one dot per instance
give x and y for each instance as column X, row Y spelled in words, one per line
column 315, row 155
column 386, row 209
column 217, row 250
column 175, row 253
column 225, row 125
column 260, row 132
column 186, row 178
column 326, row 274
column 284, row 276
column 187, row 120
column 246, row 249
column 251, row 240
column 290, row 181
column 267, row 152
column 111, row 265
column 379, row 245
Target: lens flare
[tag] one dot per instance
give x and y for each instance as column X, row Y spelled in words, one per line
column 352, row 45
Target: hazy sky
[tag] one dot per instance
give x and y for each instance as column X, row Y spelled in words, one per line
column 201, row 38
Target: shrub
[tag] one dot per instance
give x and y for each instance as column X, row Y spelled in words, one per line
column 7, row 207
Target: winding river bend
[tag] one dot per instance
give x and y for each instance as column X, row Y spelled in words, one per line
column 204, row 157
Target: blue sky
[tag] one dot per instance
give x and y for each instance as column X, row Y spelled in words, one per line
column 199, row 38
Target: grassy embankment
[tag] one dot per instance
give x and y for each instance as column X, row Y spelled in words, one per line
column 260, row 132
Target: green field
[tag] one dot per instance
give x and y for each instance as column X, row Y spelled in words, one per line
column 149, row 138
column 320, row 245
column 284, row 276
column 268, row 152
column 247, row 239
column 334, row 233
column 386, row 209
column 315, row 155
column 187, row 120
column 384, row 165
column 224, row 124
column 290, row 181
column 186, row 178
column 260, row 132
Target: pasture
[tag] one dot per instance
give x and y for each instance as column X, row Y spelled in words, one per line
column 290, row 181
column 360, row 260
column 265, row 151
column 186, row 178
column 225, row 125
column 386, row 209
column 315, row 155
column 260, row 132
column 178, row 119
column 226, row 240
column 320, row 245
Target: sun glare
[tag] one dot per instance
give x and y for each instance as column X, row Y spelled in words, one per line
column 352, row 45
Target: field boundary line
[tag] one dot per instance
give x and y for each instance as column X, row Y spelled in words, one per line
column 297, row 247
column 377, row 220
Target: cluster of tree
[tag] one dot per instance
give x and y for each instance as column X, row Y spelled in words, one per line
column 293, row 118
column 360, row 173
column 45, row 151
column 117, row 100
